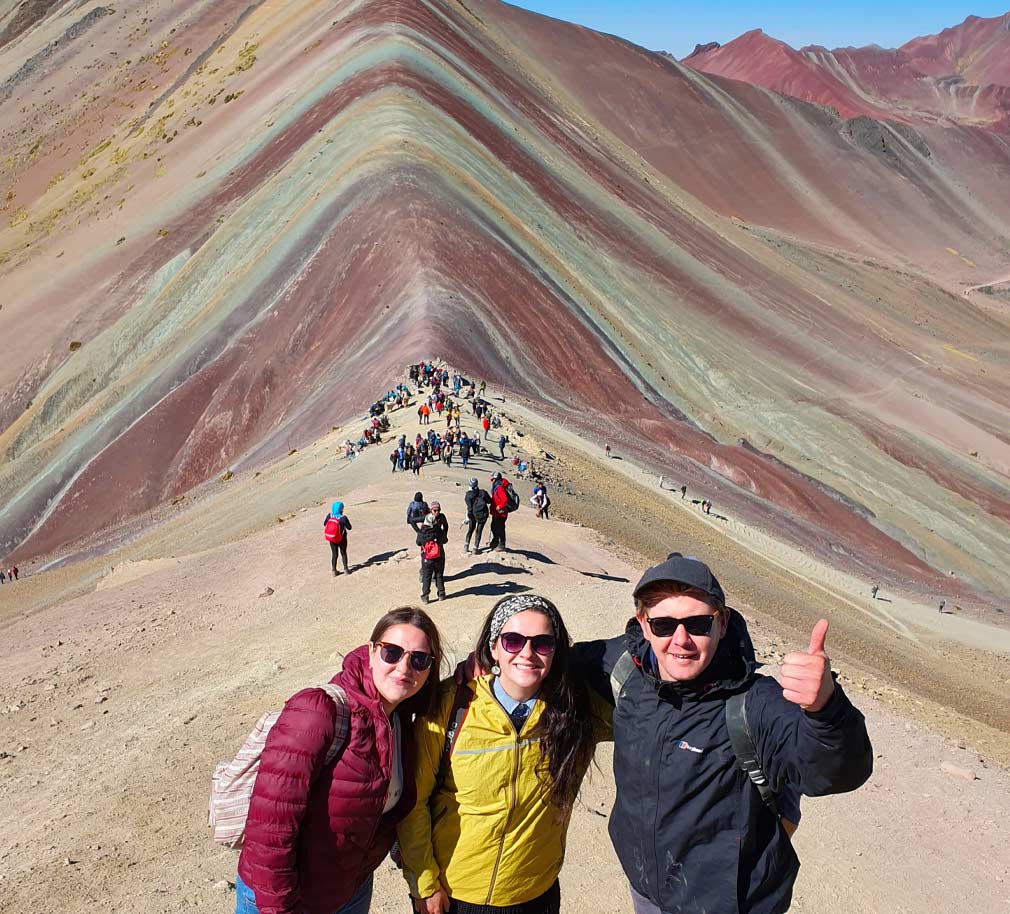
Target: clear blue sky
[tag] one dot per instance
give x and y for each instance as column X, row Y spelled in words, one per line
column 677, row 27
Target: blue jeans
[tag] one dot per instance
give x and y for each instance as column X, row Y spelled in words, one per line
column 245, row 900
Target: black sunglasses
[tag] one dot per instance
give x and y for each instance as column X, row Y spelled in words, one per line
column 666, row 626
column 513, row 642
column 391, row 654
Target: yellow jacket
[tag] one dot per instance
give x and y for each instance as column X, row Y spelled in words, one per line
column 491, row 836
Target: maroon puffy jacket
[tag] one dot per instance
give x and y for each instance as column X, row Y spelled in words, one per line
column 315, row 834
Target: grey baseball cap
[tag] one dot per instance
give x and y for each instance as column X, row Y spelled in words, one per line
column 684, row 569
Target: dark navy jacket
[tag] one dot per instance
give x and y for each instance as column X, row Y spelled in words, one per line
column 690, row 830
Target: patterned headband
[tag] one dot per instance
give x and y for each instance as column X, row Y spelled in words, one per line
column 517, row 604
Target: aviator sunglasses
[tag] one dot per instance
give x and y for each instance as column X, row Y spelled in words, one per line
column 666, row 626
column 513, row 642
column 391, row 654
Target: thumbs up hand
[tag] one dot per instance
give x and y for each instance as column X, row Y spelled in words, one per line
column 806, row 675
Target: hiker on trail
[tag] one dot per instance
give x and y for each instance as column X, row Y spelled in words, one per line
column 336, row 775
column 541, row 500
column 483, row 387
column 708, row 506
column 336, row 526
column 485, row 423
column 502, row 441
column 464, row 451
column 3, row 577
column 683, row 491
column 495, row 794
column 500, row 509
column 416, row 512
column 425, row 412
column 682, row 794
column 477, row 512
column 873, row 591
column 943, row 603
column 432, row 537
column 606, row 450
column 394, row 459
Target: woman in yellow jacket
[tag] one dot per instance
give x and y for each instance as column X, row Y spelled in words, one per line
column 488, row 832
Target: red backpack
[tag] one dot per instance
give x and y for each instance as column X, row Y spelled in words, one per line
column 431, row 551
column 334, row 530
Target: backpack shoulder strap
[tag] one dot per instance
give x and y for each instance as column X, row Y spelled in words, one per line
column 342, row 722
column 620, row 673
column 460, row 705
column 746, row 753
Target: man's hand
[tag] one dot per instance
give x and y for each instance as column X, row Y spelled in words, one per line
column 433, row 904
column 806, row 675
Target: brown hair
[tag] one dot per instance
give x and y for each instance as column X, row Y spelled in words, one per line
column 567, row 740
column 426, row 700
column 649, row 596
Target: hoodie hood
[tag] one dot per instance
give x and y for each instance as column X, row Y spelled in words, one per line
column 337, row 508
column 733, row 665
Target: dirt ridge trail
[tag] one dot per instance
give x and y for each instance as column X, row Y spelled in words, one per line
column 116, row 700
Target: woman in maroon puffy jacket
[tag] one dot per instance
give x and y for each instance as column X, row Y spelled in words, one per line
column 316, row 832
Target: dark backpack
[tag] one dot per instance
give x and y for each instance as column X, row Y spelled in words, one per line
column 478, row 505
column 511, row 499
column 417, row 512
column 747, row 759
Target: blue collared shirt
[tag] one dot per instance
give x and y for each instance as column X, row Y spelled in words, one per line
column 508, row 702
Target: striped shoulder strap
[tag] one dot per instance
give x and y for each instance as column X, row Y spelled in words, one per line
column 342, row 720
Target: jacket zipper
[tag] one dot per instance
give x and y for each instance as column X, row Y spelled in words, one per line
column 512, row 805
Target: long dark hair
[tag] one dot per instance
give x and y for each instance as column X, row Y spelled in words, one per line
column 567, row 741
column 426, row 700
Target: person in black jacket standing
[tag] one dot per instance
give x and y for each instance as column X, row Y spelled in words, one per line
column 691, row 830
column 477, row 513
column 432, row 537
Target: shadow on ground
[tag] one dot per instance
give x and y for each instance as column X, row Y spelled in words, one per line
column 499, row 589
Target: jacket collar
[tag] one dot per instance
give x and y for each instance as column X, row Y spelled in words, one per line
column 733, row 666
column 356, row 680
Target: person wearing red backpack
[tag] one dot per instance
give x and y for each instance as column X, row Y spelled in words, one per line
column 335, row 529
column 432, row 537
column 499, row 512
column 319, row 825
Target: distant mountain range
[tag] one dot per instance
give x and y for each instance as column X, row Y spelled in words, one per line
column 961, row 75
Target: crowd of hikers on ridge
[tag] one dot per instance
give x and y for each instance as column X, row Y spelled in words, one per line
column 448, row 394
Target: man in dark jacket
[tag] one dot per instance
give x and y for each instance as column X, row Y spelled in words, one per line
column 432, row 537
column 690, row 828
column 477, row 502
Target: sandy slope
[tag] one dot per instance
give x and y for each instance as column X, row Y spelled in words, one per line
column 124, row 678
